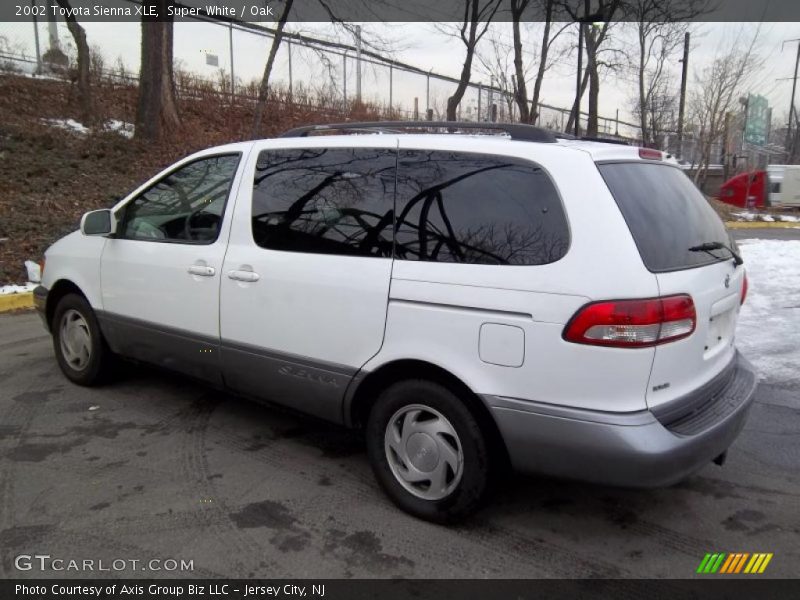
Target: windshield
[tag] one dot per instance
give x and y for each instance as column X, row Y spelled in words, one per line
column 666, row 214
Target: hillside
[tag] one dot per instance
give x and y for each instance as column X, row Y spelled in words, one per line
column 50, row 175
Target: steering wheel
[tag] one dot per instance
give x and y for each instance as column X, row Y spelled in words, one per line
column 191, row 229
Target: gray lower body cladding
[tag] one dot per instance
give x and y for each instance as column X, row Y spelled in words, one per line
column 626, row 449
column 640, row 449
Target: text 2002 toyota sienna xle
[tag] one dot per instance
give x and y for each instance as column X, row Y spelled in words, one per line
column 568, row 306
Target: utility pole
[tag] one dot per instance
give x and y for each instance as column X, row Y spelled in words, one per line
column 724, row 150
column 480, row 93
column 682, row 104
column 34, row 5
column 289, row 54
column 490, row 103
column 230, row 50
column 427, row 92
column 52, row 28
column 358, row 64
column 792, row 112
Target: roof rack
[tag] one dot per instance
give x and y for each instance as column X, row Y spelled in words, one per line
column 516, row 131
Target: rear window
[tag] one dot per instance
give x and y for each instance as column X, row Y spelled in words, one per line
column 666, row 214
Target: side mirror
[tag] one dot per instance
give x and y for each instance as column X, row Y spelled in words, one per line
column 99, row 222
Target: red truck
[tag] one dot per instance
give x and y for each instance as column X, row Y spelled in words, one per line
column 746, row 190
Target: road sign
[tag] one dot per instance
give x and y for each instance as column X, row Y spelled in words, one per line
column 756, row 126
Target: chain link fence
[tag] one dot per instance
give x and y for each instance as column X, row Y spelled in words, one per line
column 230, row 56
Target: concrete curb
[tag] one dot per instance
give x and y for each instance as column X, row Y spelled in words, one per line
column 9, row 302
column 761, row 225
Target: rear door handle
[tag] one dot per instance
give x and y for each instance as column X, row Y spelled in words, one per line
column 202, row 271
column 243, row 276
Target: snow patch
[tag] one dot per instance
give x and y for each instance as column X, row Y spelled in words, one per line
column 40, row 76
column 17, row 289
column 68, row 124
column 120, row 127
column 769, row 323
column 751, row 216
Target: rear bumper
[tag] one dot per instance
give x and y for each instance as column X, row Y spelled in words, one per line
column 626, row 449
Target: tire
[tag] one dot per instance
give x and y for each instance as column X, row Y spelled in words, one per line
column 452, row 453
column 81, row 351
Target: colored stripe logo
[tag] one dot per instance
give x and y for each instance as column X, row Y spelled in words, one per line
column 735, row 562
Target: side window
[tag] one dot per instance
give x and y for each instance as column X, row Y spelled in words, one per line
column 477, row 208
column 325, row 200
column 186, row 206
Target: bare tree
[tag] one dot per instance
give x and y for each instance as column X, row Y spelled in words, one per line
column 660, row 28
column 530, row 113
column 157, row 111
column 521, row 91
column 263, row 89
column 84, row 85
column 717, row 90
column 477, row 16
column 497, row 63
column 373, row 43
column 595, row 36
column 659, row 111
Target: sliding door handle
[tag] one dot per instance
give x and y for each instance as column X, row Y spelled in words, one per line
column 243, row 276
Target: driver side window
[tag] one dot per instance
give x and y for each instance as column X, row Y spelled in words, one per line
column 186, row 206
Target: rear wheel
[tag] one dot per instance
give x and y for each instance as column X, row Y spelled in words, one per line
column 79, row 346
column 428, row 451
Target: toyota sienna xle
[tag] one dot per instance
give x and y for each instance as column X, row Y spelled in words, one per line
column 566, row 306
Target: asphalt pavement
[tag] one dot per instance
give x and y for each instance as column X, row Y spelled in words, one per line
column 155, row 466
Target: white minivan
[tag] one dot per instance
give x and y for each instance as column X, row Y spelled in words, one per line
column 566, row 307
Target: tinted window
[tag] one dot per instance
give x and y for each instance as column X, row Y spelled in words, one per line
column 186, row 206
column 325, row 200
column 666, row 214
column 476, row 208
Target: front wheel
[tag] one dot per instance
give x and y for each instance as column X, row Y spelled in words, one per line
column 428, row 451
column 79, row 346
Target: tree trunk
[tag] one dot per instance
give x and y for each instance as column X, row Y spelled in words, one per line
column 592, row 42
column 520, row 90
column 157, row 112
column 576, row 104
column 466, row 71
column 263, row 90
column 84, row 85
column 537, row 86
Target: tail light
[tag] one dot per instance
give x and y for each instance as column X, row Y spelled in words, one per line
column 633, row 323
column 744, row 288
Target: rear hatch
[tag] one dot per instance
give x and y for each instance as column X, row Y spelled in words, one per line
column 668, row 216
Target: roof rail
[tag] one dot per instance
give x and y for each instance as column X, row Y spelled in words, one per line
column 516, row 131
column 604, row 140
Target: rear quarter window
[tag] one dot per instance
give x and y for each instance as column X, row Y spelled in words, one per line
column 459, row 207
column 666, row 214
